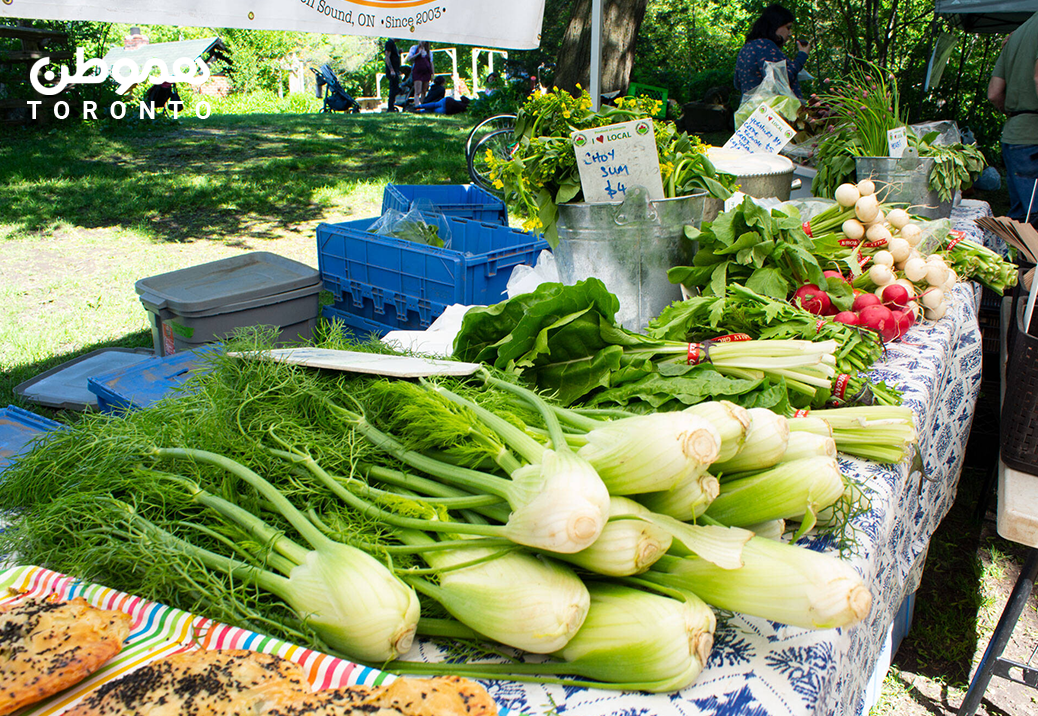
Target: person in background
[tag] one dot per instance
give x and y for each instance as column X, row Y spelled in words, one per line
column 1013, row 89
column 393, row 73
column 438, row 90
column 421, row 69
column 764, row 43
column 447, row 105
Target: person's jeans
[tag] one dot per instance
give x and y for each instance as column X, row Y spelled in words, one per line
column 394, row 90
column 1021, row 162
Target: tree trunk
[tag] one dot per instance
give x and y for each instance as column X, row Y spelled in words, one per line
column 620, row 22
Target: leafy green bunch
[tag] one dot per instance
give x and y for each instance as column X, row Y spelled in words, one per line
column 542, row 171
column 766, row 251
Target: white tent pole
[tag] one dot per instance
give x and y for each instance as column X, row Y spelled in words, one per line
column 596, row 55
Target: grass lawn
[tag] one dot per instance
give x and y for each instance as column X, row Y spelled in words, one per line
column 86, row 213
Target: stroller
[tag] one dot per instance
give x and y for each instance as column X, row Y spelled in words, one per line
column 335, row 97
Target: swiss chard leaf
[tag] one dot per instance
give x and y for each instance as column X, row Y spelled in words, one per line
column 699, row 384
column 572, row 380
column 501, row 333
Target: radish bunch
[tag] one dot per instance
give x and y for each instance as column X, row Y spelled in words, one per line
column 890, row 315
column 898, row 267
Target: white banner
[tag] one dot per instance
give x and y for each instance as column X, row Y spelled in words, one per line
column 510, row 24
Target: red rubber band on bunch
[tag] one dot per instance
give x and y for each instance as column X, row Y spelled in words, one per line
column 959, row 236
column 863, row 260
column 820, row 324
column 840, row 385
column 802, row 413
column 806, row 226
column 695, row 354
column 851, row 243
column 876, row 244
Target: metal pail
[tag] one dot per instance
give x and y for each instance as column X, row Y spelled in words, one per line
column 630, row 246
column 909, row 182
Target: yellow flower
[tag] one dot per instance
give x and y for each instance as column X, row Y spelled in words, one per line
column 490, row 156
column 498, row 184
column 566, row 113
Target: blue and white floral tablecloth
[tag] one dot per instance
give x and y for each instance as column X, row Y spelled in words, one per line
column 759, row 668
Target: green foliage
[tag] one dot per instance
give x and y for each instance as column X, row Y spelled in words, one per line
column 689, row 47
column 506, row 99
column 258, row 102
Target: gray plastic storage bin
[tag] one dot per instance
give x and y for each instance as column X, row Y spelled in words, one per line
column 201, row 304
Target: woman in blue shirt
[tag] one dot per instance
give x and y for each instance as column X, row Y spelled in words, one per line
column 764, row 44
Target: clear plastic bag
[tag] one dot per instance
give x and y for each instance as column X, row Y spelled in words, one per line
column 414, row 225
column 525, row 279
column 773, row 90
column 947, row 131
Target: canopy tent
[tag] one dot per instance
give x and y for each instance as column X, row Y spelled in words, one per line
column 987, row 16
column 513, row 25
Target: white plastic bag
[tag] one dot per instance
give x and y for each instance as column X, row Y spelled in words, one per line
column 774, row 90
column 525, row 279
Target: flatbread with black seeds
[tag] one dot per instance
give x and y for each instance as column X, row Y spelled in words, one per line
column 48, row 645
column 439, row 696
column 225, row 682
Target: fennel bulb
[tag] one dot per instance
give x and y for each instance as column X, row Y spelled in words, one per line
column 642, row 640
column 778, row 581
column 650, row 453
column 521, row 600
column 626, row 546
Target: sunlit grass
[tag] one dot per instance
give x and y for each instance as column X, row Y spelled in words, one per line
column 87, row 211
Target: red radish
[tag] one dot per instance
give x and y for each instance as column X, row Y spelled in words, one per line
column 813, row 299
column 903, row 320
column 835, row 275
column 848, row 317
column 895, row 294
column 863, row 300
column 880, row 319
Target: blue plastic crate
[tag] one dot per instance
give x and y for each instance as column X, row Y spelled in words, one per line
column 18, row 428
column 462, row 201
column 358, row 326
column 141, row 384
column 406, row 285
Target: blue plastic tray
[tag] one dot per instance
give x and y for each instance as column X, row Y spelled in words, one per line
column 406, row 285
column 462, row 201
column 18, row 428
column 141, row 384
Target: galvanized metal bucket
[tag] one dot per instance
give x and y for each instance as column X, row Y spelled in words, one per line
column 908, row 179
column 630, row 246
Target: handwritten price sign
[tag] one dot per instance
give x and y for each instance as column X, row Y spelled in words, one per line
column 897, row 141
column 611, row 159
column 763, row 131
